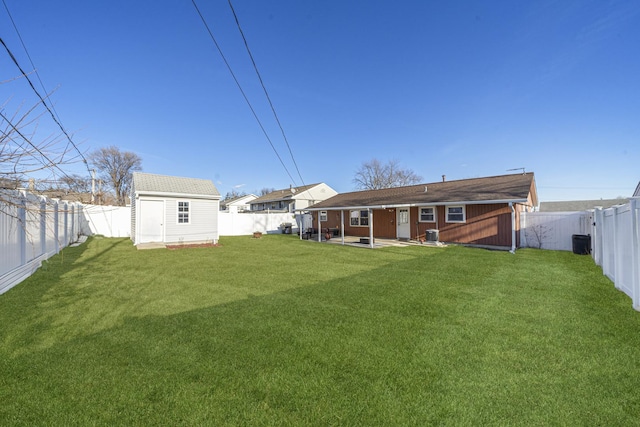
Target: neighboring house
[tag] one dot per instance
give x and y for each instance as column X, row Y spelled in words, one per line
column 173, row 210
column 637, row 192
column 237, row 204
column 293, row 198
column 580, row 205
column 479, row 211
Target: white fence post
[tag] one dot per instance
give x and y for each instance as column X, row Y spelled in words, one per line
column 635, row 254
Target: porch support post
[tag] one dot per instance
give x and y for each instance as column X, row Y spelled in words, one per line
column 342, row 225
column 370, row 228
column 319, row 229
column 513, row 228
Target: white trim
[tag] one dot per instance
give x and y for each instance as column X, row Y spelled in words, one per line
column 435, row 214
column 176, row 195
column 446, row 214
column 188, row 212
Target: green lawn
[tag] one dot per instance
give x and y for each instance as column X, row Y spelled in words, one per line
column 278, row 331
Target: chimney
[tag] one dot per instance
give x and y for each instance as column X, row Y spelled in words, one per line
column 444, row 178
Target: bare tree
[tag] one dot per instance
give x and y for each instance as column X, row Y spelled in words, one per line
column 116, row 168
column 266, row 190
column 234, row 194
column 28, row 159
column 374, row 175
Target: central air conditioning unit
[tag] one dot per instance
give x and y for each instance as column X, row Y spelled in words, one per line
column 432, row 235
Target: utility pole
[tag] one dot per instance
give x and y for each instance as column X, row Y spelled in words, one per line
column 93, row 186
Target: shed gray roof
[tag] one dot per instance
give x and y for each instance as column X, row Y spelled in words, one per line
column 516, row 188
column 163, row 184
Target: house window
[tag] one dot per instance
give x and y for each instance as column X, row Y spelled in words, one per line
column 456, row 214
column 359, row 218
column 427, row 214
column 323, row 216
column 183, row 212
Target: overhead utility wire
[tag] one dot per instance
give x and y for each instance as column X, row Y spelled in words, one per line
column 24, row 46
column 51, row 162
column 53, row 116
column 255, row 67
column 240, row 87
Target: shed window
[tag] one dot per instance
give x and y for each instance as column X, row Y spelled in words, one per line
column 456, row 214
column 183, row 212
column 427, row 214
column 323, row 216
column 359, row 218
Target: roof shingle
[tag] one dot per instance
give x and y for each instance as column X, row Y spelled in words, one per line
column 515, row 187
column 148, row 182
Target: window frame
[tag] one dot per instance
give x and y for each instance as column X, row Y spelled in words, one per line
column 433, row 213
column 359, row 217
column 323, row 216
column 180, row 214
column 449, row 213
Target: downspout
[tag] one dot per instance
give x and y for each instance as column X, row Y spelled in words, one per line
column 371, row 228
column 342, row 225
column 513, row 228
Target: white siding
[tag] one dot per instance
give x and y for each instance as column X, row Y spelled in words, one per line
column 203, row 221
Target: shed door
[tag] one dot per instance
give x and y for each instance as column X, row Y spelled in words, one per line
column 404, row 228
column 150, row 220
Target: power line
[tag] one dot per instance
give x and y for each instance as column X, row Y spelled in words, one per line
column 240, row 87
column 53, row 116
column 255, row 67
column 51, row 162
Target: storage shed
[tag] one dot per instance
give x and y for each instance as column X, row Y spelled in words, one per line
column 173, row 210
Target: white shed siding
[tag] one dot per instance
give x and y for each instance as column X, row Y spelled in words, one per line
column 203, row 221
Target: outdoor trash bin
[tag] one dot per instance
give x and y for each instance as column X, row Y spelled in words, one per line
column 286, row 228
column 581, row 244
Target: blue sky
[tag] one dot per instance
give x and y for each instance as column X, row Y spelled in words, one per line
column 465, row 89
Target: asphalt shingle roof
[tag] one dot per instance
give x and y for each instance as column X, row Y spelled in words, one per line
column 579, row 205
column 148, row 182
column 514, row 187
column 283, row 194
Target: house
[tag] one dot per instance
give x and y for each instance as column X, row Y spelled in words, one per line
column 237, row 204
column 480, row 211
column 173, row 210
column 293, row 198
column 580, row 205
column 637, row 192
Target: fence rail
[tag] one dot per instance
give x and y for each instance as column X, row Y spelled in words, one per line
column 615, row 239
column 32, row 228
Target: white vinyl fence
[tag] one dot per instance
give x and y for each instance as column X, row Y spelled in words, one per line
column 108, row 221
column 553, row 230
column 616, row 247
column 32, row 228
column 243, row 224
column 615, row 239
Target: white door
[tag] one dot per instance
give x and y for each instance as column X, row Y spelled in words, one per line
column 150, row 220
column 404, row 227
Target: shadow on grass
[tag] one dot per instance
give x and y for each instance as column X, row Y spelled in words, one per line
column 441, row 338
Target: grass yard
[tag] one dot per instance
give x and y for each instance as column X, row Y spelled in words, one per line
column 278, row 331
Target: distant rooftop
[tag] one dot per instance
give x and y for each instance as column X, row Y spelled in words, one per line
column 580, row 205
column 148, row 182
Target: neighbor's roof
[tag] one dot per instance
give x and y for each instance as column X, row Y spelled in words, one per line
column 580, row 205
column 504, row 188
column 637, row 192
column 287, row 193
column 149, row 183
